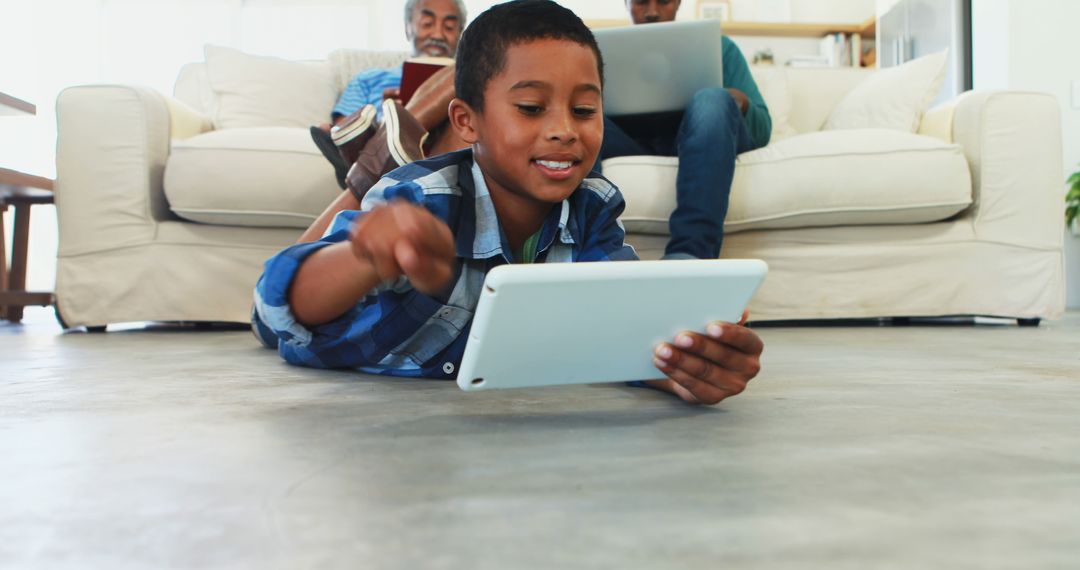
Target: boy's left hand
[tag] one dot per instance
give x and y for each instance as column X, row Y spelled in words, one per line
column 707, row 368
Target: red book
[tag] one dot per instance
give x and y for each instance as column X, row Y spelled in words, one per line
column 416, row 71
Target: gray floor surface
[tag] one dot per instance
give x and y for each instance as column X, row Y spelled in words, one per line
column 857, row 447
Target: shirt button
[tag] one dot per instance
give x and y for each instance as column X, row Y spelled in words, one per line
column 445, row 313
column 448, row 368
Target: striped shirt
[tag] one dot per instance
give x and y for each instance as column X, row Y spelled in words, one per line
column 367, row 88
column 396, row 330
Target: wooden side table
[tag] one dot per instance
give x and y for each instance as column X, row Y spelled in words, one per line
column 21, row 192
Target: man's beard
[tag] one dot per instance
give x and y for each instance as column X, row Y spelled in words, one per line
column 436, row 47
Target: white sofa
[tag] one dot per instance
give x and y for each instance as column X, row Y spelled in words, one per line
column 164, row 217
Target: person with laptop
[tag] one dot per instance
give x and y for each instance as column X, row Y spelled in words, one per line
column 716, row 126
column 392, row 289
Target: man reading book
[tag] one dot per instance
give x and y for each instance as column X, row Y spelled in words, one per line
column 433, row 27
column 717, row 126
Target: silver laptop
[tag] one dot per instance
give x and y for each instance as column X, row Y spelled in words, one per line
column 653, row 68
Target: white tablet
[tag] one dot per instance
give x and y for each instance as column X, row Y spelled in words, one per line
column 579, row 323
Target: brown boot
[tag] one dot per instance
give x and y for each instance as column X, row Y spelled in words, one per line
column 398, row 141
column 352, row 133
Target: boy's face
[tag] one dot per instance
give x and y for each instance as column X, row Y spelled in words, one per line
column 542, row 124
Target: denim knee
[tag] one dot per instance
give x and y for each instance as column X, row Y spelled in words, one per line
column 713, row 105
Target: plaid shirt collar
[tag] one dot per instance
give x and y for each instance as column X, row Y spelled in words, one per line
column 487, row 239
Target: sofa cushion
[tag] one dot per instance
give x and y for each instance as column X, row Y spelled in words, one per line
column 815, row 93
column 893, row 98
column 259, row 91
column 855, row 177
column 260, row 177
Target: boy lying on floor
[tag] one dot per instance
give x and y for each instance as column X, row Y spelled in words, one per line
column 391, row 289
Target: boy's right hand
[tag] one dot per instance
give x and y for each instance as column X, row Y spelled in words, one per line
column 401, row 238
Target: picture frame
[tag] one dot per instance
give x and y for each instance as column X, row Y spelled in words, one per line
column 714, row 10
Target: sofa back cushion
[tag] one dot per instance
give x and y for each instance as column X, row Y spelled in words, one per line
column 816, row 92
column 193, row 88
column 261, row 91
column 346, row 63
column 193, row 84
column 772, row 82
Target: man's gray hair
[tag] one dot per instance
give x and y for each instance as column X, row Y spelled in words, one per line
column 410, row 7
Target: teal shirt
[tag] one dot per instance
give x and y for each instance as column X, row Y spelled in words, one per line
column 737, row 75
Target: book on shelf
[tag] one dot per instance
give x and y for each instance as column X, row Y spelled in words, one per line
column 842, row 50
column 415, row 71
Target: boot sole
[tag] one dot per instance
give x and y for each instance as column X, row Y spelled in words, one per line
column 393, row 135
column 362, row 124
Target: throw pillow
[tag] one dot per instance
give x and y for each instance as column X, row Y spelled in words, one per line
column 893, row 98
column 260, row 91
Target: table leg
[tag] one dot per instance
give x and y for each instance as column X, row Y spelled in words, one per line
column 3, row 259
column 19, row 246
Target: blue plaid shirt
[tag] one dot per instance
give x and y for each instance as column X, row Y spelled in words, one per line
column 367, row 88
column 398, row 331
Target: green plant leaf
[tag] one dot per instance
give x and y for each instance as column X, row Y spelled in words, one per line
column 1072, row 199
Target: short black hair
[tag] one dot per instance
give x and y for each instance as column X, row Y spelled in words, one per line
column 481, row 53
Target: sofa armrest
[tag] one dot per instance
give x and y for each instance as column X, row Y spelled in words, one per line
column 1013, row 144
column 112, row 144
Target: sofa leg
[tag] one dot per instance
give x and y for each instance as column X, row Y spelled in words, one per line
column 1029, row 322
column 63, row 324
column 59, row 316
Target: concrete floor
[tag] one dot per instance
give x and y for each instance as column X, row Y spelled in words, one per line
column 858, row 447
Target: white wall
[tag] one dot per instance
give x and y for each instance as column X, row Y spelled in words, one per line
column 990, row 46
column 884, row 6
column 1043, row 49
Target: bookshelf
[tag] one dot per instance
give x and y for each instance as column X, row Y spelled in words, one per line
column 613, row 23
column 773, row 29
column 784, row 30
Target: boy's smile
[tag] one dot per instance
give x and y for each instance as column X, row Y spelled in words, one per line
column 540, row 129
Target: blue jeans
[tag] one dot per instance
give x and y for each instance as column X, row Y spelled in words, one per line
column 706, row 137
